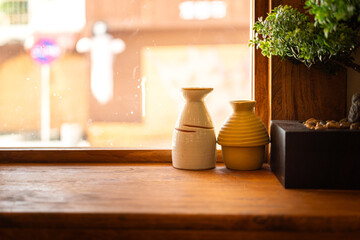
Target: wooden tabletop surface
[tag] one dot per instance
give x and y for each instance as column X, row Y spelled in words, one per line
column 157, row 196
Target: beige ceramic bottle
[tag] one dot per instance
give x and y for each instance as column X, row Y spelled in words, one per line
column 243, row 137
column 194, row 140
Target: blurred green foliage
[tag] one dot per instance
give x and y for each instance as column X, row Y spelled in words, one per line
column 18, row 7
column 329, row 39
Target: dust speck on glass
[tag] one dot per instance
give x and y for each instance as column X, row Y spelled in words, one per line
column 109, row 74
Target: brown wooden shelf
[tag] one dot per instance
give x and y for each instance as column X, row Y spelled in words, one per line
column 156, row 201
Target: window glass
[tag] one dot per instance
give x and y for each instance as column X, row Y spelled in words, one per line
column 76, row 73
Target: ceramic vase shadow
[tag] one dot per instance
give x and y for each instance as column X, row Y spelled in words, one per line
column 243, row 137
column 194, row 140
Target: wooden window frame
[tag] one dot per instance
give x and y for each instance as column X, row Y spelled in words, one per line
column 261, row 70
column 260, row 81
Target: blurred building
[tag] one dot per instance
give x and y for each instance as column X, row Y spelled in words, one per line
column 169, row 45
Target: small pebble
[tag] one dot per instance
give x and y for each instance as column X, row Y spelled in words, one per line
column 319, row 126
column 345, row 125
column 316, row 124
column 343, row 120
column 330, row 121
column 311, row 120
column 332, row 125
column 355, row 126
column 313, row 124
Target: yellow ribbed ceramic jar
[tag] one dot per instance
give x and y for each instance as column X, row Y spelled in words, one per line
column 243, row 137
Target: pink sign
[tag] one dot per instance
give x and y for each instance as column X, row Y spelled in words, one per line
column 45, row 51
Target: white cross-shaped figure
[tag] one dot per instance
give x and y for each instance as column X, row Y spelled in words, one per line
column 102, row 49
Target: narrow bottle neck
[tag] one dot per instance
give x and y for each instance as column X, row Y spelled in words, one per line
column 240, row 106
column 195, row 94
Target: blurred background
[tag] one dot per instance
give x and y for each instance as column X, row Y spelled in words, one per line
column 76, row 73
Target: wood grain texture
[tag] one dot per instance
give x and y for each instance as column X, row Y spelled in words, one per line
column 261, row 72
column 154, row 200
column 261, row 76
column 298, row 93
column 86, row 155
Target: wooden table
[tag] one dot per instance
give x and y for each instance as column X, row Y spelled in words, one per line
column 156, row 201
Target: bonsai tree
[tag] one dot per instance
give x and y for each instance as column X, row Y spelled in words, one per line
column 327, row 35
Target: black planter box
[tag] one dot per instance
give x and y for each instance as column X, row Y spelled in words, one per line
column 304, row 158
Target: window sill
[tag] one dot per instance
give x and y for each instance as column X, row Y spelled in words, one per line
column 85, row 155
column 155, row 201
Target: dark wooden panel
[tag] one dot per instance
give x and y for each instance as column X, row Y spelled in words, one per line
column 299, row 93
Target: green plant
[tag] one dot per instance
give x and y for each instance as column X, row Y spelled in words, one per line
column 18, row 7
column 329, row 39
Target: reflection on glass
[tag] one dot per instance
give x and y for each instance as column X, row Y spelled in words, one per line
column 169, row 45
column 202, row 10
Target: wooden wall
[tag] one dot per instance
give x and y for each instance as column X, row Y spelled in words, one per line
column 299, row 93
